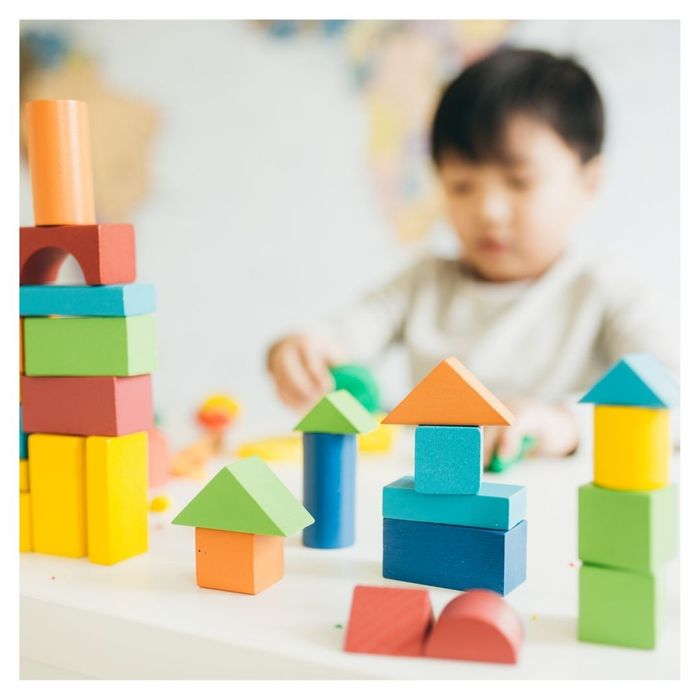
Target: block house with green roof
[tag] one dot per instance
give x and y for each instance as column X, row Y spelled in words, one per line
column 241, row 518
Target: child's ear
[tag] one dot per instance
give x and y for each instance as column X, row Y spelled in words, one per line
column 592, row 172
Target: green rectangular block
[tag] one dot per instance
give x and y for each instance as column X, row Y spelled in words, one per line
column 620, row 608
column 72, row 347
column 635, row 530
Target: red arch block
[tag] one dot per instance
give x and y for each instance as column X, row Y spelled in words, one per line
column 477, row 626
column 105, row 252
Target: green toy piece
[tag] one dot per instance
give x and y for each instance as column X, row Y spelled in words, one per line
column 70, row 347
column 360, row 382
column 338, row 412
column 498, row 464
column 246, row 497
column 623, row 608
column 634, row 530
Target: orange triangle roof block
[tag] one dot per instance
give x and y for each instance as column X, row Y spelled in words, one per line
column 450, row 395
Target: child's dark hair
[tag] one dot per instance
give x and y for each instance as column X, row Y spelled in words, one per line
column 476, row 105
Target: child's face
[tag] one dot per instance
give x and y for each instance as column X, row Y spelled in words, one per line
column 513, row 219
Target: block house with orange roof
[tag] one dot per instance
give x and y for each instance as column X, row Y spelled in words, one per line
column 444, row 527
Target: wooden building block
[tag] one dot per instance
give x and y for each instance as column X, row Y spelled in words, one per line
column 457, row 557
column 158, row 458
column 22, row 435
column 636, row 530
column 106, row 253
column 246, row 496
column 237, row 561
column 57, row 476
column 635, row 380
column 60, row 164
column 338, row 412
column 89, row 346
column 329, row 489
column 117, row 497
column 21, row 350
column 85, row 300
column 499, row 464
column 379, row 440
column 477, row 626
column 448, row 459
column 87, row 405
column 496, row 506
column 360, row 382
column 392, row 621
column 450, row 395
column 25, row 522
column 621, row 608
column 632, row 447
column 23, row 475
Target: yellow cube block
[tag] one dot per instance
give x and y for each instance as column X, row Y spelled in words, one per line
column 23, row 475
column 25, row 523
column 117, row 497
column 632, row 447
column 57, row 474
column 379, row 440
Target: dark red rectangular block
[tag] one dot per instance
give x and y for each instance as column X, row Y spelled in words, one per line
column 87, row 405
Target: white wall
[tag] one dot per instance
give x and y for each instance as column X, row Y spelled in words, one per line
column 263, row 215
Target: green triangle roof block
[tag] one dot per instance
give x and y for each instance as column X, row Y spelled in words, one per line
column 338, row 412
column 246, row 496
column 635, row 380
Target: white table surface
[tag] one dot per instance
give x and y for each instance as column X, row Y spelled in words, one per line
column 147, row 619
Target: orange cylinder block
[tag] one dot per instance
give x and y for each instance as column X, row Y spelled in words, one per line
column 58, row 146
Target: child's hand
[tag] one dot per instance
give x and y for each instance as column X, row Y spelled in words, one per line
column 299, row 366
column 553, row 428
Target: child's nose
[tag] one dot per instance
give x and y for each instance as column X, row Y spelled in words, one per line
column 494, row 206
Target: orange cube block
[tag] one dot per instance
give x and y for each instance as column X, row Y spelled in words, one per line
column 238, row 561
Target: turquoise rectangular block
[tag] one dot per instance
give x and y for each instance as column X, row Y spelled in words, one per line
column 448, row 459
column 86, row 300
column 22, row 437
column 495, row 507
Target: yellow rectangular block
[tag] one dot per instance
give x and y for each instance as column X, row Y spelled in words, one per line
column 117, row 497
column 632, row 447
column 25, row 523
column 57, row 475
column 23, row 475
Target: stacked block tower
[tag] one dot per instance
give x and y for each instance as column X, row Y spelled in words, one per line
column 444, row 527
column 330, row 431
column 627, row 517
column 87, row 353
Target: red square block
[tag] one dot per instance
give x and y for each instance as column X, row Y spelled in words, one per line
column 87, row 405
column 393, row 621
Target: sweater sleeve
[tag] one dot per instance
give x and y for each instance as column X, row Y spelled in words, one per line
column 377, row 320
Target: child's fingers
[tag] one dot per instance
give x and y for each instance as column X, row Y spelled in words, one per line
column 509, row 441
column 317, row 371
column 294, row 379
column 491, row 436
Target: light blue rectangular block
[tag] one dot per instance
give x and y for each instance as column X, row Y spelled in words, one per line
column 85, row 300
column 495, row 507
column 448, row 459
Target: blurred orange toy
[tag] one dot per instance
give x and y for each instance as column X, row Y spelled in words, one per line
column 215, row 416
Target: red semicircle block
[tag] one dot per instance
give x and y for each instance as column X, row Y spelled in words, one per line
column 477, row 626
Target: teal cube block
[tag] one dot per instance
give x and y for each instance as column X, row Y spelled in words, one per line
column 634, row 530
column 448, row 459
column 495, row 507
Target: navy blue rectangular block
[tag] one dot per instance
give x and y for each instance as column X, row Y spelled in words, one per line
column 453, row 556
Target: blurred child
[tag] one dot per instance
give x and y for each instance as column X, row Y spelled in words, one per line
column 516, row 141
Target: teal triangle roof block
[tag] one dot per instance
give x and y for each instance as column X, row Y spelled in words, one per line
column 635, row 380
column 338, row 412
column 246, row 497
